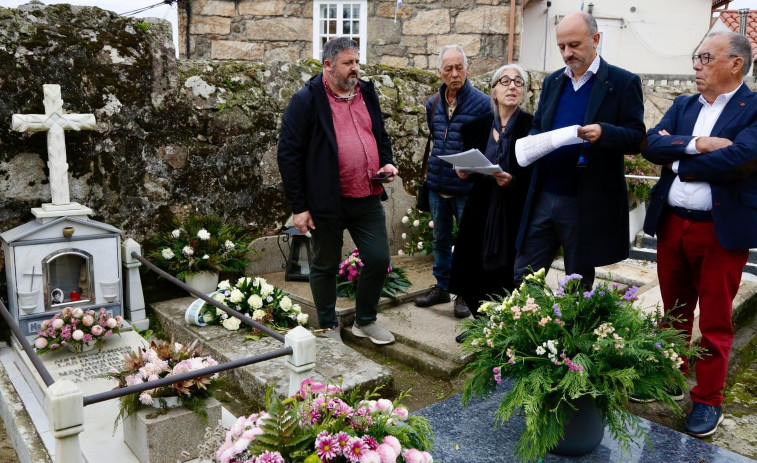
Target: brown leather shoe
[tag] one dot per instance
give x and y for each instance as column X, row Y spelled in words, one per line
column 461, row 308
column 434, row 295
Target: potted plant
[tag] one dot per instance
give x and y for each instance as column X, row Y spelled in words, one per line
column 259, row 300
column 323, row 424
column 77, row 330
column 200, row 247
column 572, row 349
column 195, row 397
column 349, row 274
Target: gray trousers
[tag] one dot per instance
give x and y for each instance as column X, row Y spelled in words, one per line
column 553, row 223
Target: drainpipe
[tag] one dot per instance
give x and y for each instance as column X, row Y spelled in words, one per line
column 511, row 39
column 189, row 21
column 743, row 16
column 546, row 35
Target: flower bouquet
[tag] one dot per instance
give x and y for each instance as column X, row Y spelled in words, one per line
column 159, row 360
column 259, row 300
column 77, row 330
column 201, row 243
column 559, row 346
column 349, row 273
column 322, row 424
column 420, row 236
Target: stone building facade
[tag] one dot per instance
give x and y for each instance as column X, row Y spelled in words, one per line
column 289, row 30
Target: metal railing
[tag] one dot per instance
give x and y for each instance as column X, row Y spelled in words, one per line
column 137, row 388
column 33, row 357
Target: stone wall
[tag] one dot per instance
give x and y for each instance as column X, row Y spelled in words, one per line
column 175, row 136
column 283, row 30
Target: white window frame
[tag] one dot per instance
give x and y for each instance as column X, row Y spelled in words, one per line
column 362, row 35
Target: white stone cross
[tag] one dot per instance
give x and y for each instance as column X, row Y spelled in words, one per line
column 54, row 122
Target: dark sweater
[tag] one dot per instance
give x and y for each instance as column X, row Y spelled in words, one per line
column 559, row 167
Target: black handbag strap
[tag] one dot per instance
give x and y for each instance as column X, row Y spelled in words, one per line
column 424, row 166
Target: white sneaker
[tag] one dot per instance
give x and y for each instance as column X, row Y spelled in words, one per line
column 377, row 334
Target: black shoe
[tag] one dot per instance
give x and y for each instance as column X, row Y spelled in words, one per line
column 460, row 338
column 704, row 420
column 675, row 393
column 461, row 308
column 434, row 295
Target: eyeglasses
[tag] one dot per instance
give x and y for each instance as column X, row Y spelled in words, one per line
column 505, row 80
column 705, row 58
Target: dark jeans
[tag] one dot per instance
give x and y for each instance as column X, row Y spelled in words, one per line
column 442, row 212
column 365, row 220
column 553, row 222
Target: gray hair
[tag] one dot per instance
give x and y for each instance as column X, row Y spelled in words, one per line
column 591, row 24
column 333, row 47
column 457, row 48
column 495, row 78
column 738, row 45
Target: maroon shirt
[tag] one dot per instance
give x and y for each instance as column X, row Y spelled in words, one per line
column 356, row 145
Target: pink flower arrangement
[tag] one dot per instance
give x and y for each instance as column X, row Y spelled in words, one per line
column 332, row 429
column 75, row 328
column 349, row 273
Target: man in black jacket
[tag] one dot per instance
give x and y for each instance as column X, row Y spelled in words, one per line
column 332, row 183
column 577, row 198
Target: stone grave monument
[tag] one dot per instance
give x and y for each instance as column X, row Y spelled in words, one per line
column 63, row 258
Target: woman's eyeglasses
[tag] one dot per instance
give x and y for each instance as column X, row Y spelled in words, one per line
column 505, row 80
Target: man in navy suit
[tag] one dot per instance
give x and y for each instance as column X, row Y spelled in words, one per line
column 577, row 198
column 704, row 209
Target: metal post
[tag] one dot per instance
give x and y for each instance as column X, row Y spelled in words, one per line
column 301, row 363
column 65, row 410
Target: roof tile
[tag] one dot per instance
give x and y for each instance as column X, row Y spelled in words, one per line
column 731, row 18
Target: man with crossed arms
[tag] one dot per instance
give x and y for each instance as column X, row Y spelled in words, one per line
column 704, row 210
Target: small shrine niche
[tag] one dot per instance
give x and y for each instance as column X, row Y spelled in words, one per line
column 67, row 277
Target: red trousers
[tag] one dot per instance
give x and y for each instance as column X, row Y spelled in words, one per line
column 691, row 266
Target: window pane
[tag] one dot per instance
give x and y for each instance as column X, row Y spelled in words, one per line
column 332, row 27
column 346, row 11
column 356, row 39
column 346, row 28
column 332, row 11
column 356, row 11
column 324, row 11
column 356, row 27
column 322, row 29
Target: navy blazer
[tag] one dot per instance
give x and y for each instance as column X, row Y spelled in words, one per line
column 307, row 151
column 615, row 103
column 729, row 171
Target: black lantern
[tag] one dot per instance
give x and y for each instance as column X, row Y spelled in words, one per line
column 297, row 267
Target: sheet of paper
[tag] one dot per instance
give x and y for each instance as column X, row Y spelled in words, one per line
column 471, row 161
column 530, row 149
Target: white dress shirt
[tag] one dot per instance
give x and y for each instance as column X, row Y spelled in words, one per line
column 698, row 195
column 593, row 68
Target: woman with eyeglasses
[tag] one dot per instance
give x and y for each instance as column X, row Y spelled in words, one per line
column 482, row 263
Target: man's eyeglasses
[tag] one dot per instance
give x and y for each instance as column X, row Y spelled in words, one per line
column 505, row 80
column 705, row 58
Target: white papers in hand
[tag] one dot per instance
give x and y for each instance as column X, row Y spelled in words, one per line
column 530, row 149
column 471, row 161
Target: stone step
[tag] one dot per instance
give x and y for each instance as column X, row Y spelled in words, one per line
column 335, row 361
column 645, row 253
column 418, row 359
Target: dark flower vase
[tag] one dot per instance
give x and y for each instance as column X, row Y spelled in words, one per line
column 584, row 429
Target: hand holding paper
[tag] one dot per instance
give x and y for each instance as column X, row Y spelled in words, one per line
column 530, row 149
column 471, row 161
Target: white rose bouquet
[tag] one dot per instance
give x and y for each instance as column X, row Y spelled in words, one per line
column 200, row 243
column 259, row 300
